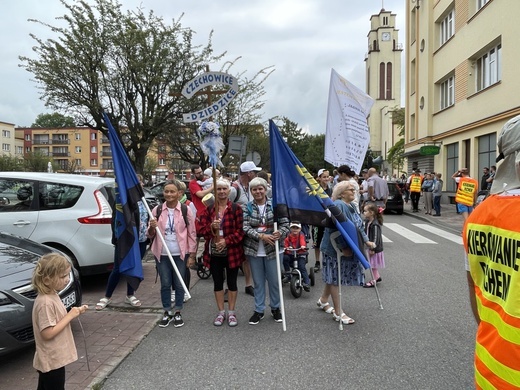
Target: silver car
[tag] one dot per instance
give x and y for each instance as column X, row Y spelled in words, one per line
column 71, row 213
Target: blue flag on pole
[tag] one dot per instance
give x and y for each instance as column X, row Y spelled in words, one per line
column 298, row 196
column 128, row 193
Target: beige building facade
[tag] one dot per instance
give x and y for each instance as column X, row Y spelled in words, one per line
column 383, row 82
column 11, row 145
column 461, row 82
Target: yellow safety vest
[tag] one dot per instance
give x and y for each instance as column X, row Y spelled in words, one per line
column 492, row 242
column 466, row 191
column 415, row 183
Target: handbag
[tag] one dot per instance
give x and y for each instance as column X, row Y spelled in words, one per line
column 213, row 251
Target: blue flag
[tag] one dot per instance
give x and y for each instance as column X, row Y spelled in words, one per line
column 298, row 196
column 128, row 193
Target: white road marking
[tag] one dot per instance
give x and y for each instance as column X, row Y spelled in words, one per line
column 439, row 232
column 408, row 234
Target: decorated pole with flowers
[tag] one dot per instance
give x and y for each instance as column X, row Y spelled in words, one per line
column 212, row 145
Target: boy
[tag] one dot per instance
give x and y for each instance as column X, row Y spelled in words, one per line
column 296, row 239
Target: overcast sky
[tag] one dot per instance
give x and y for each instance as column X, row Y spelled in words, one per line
column 302, row 39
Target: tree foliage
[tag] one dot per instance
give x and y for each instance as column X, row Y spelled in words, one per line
column 36, row 162
column 10, row 163
column 122, row 63
column 54, row 120
column 395, row 154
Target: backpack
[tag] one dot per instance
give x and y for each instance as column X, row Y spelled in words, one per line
column 238, row 190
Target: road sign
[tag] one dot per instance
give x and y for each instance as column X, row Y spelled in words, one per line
column 237, row 145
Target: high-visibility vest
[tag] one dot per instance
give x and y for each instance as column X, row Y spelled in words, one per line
column 415, row 183
column 466, row 191
column 492, row 242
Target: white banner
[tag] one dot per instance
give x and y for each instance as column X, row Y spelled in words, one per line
column 347, row 136
column 203, row 81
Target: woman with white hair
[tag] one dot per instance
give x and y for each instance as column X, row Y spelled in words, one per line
column 259, row 247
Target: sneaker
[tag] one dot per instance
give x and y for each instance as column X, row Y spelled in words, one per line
column 177, row 320
column 306, row 287
column 167, row 318
column 219, row 319
column 232, row 320
column 317, row 266
column 250, row 290
column 277, row 315
column 255, row 318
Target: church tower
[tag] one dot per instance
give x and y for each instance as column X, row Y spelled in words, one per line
column 383, row 81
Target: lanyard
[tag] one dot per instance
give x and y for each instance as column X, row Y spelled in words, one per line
column 171, row 221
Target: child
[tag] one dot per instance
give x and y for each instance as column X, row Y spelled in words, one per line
column 295, row 239
column 374, row 221
column 208, row 178
column 55, row 346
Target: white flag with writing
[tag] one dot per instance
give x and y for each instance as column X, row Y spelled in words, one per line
column 347, row 136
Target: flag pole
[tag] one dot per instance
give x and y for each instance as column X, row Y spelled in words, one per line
column 375, row 286
column 279, row 273
column 333, row 237
column 161, row 237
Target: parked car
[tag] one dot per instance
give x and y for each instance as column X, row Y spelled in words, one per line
column 71, row 213
column 395, row 199
column 18, row 257
column 158, row 188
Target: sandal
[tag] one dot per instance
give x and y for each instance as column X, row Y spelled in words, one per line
column 326, row 307
column 345, row 319
column 133, row 301
column 370, row 284
column 103, row 302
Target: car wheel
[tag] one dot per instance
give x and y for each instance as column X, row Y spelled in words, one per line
column 68, row 253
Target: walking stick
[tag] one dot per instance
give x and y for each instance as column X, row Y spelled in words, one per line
column 375, row 286
column 279, row 274
column 333, row 237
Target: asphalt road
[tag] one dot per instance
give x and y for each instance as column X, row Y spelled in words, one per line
column 422, row 339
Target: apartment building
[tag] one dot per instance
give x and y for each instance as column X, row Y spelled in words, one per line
column 461, row 82
column 11, row 146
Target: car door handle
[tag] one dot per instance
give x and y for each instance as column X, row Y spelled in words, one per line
column 22, row 223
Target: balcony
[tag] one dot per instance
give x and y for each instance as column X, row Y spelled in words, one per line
column 106, row 153
column 42, row 142
column 60, row 154
column 61, row 142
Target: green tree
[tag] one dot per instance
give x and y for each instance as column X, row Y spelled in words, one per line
column 122, row 63
column 55, row 120
column 36, row 162
column 395, row 154
column 10, row 163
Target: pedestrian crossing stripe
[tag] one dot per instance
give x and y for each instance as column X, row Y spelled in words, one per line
column 418, row 238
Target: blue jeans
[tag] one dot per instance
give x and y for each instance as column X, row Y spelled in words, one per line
column 168, row 278
column 113, row 278
column 288, row 261
column 263, row 269
column 437, row 205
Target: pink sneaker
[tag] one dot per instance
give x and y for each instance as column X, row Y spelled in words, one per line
column 219, row 319
column 232, row 320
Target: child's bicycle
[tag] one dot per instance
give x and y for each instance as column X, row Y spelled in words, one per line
column 296, row 282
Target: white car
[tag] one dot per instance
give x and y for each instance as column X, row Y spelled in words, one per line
column 71, row 213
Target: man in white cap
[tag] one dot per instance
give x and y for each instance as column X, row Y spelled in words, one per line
column 492, row 243
column 240, row 194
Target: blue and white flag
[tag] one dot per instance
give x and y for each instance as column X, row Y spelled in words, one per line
column 128, row 193
column 347, row 135
column 299, row 197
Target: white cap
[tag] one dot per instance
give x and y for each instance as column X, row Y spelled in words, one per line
column 249, row 166
column 320, row 172
column 296, row 224
column 507, row 176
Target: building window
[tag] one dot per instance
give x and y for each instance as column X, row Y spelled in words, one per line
column 447, row 93
column 161, row 161
column 6, row 147
column 487, row 153
column 78, row 162
column 389, row 81
column 447, row 27
column 489, row 68
column 28, row 149
column 385, row 20
column 93, row 162
column 93, row 149
column 93, row 136
column 77, row 136
column 78, row 149
column 27, row 137
column 6, row 134
column 452, row 165
column 19, row 150
column 382, row 80
column 481, row 3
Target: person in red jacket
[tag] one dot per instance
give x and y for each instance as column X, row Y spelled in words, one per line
column 296, row 240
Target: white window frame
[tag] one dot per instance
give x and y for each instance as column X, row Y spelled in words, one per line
column 93, row 136
column 77, row 136
column 447, row 27
column 93, row 162
column 488, row 68
column 93, row 149
column 78, row 149
column 6, row 147
column 447, row 93
column 6, row 134
column 161, row 161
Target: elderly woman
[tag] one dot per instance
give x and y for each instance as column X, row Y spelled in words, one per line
column 222, row 228
column 351, row 269
column 178, row 229
column 259, row 247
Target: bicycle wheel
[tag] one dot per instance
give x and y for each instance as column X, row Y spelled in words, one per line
column 296, row 288
column 203, row 272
